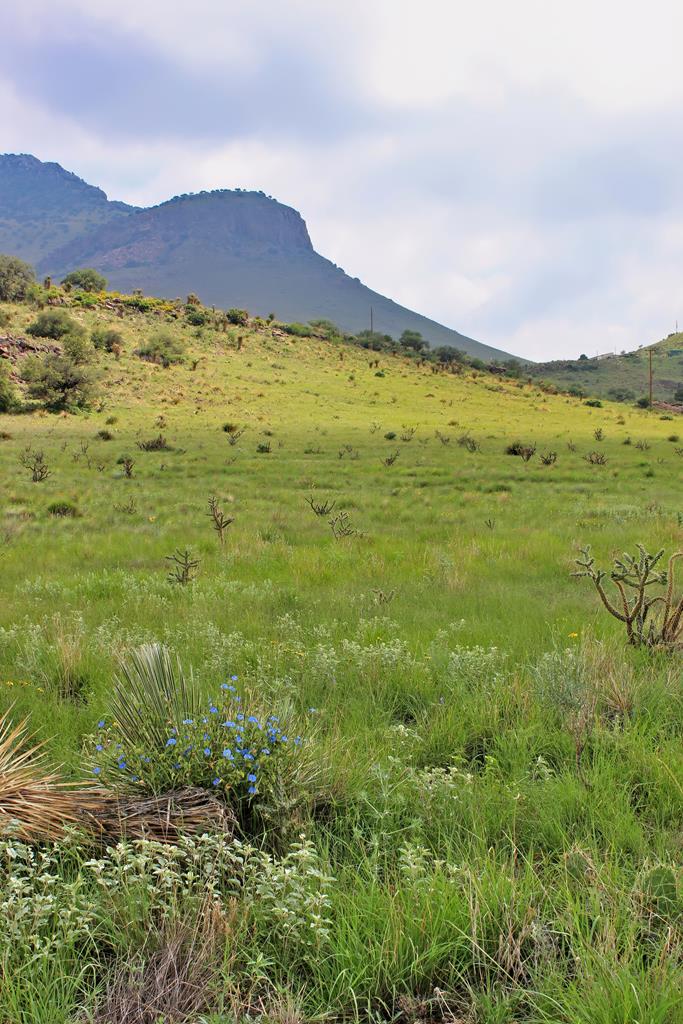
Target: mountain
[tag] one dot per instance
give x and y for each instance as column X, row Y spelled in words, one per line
column 230, row 247
column 622, row 377
column 42, row 207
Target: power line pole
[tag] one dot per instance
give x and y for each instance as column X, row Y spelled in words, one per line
column 650, row 353
column 371, row 320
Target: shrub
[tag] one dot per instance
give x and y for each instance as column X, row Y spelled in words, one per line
column 65, row 509
column 5, row 318
column 594, row 403
column 105, row 435
column 196, row 316
column 238, row 316
column 298, row 330
column 77, row 347
column 8, row 397
column 162, row 348
column 53, row 323
column 163, row 736
column 155, row 444
column 16, row 278
column 86, row 280
column 106, row 339
column 59, row 382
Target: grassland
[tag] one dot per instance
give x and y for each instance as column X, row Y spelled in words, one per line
column 499, row 777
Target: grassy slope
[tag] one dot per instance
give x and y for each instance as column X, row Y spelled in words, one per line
column 628, row 372
column 299, row 615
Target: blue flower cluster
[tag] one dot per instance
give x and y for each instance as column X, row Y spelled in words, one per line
column 227, row 747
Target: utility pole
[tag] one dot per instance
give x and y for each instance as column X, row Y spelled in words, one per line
column 371, row 320
column 650, row 353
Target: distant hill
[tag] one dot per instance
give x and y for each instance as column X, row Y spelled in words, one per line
column 232, row 248
column 42, row 207
column 621, row 377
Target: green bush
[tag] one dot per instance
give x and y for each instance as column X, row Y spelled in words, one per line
column 196, row 316
column 63, row 509
column 59, row 382
column 8, row 397
column 53, row 323
column 85, row 280
column 162, row 348
column 107, row 339
column 237, row 316
column 298, row 330
column 16, row 278
column 78, row 347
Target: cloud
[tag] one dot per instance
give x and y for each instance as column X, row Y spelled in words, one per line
column 509, row 169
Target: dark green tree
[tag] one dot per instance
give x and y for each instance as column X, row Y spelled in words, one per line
column 16, row 278
column 86, row 280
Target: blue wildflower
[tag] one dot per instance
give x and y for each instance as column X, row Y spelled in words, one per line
column 100, row 724
column 240, row 717
column 188, row 721
column 251, row 777
column 265, row 750
column 98, row 746
column 234, row 679
column 213, row 709
column 96, row 771
column 207, row 751
column 122, row 765
column 253, row 718
column 252, row 789
column 171, row 741
column 229, row 754
column 216, row 782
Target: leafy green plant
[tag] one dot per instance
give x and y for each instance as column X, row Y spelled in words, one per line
column 60, row 382
column 53, row 323
column 86, row 280
column 16, row 278
column 162, row 348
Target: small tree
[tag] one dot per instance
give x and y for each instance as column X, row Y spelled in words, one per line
column 59, row 382
column 86, row 280
column 8, row 398
column 16, row 278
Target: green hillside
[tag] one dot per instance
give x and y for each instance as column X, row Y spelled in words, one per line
column 622, row 377
column 463, row 801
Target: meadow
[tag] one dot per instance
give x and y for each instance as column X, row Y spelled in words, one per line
column 487, row 824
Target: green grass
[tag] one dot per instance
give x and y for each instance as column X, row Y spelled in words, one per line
column 454, row 664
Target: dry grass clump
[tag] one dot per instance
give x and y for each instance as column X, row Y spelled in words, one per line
column 174, row 983
column 160, row 818
column 34, row 803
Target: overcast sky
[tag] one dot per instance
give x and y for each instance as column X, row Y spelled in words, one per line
column 511, row 168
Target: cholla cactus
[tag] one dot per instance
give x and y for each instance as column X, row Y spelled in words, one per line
column 653, row 621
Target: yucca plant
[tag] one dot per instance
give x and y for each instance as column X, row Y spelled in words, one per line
column 150, row 693
column 35, row 805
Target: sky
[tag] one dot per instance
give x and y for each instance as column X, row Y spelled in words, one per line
column 510, row 169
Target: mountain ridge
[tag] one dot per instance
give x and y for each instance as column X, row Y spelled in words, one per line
column 232, row 247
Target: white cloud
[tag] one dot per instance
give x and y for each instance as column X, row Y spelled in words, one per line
column 510, row 169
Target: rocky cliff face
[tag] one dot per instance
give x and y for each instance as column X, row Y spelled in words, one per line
column 190, row 228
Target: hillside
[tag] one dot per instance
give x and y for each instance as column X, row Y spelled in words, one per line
column 622, row 377
column 232, row 248
column 42, row 207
